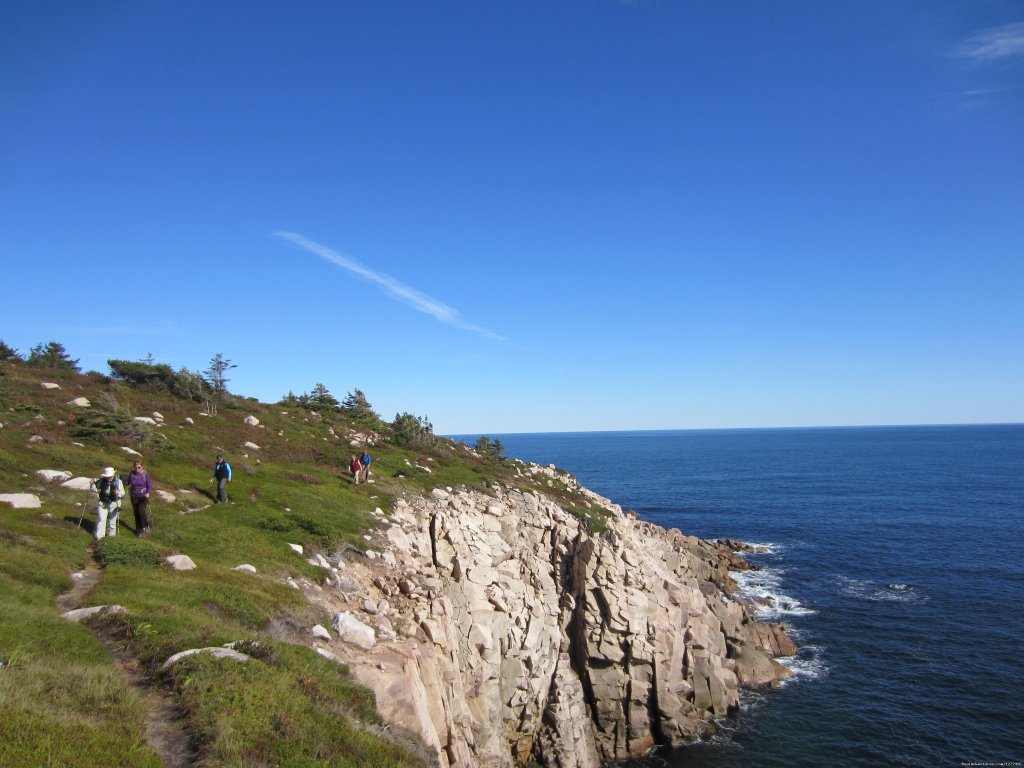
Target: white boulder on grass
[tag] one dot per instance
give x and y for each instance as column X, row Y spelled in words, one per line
column 158, row 416
column 165, row 496
column 81, row 402
column 146, row 420
column 180, row 562
column 245, row 568
column 219, row 653
column 77, row 483
column 21, row 500
column 84, row 613
column 49, row 475
column 296, row 548
column 252, row 421
column 320, row 632
column 250, row 445
column 49, row 385
column 131, row 451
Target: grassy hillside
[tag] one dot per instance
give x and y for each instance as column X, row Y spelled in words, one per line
column 64, row 697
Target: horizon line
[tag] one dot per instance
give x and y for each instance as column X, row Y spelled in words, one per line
column 452, row 435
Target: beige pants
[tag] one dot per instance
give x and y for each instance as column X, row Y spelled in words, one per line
column 106, row 519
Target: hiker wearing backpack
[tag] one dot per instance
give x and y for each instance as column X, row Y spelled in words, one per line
column 222, row 474
column 364, row 462
column 110, row 490
column 140, row 486
column 355, row 467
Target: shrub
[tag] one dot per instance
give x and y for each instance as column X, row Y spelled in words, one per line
column 183, row 384
column 105, row 418
column 488, row 447
column 413, row 431
column 262, row 651
column 304, row 477
column 276, row 522
column 129, row 552
column 315, row 527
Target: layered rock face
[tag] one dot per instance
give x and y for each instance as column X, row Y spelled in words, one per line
column 524, row 637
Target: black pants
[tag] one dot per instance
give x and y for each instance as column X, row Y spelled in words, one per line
column 140, row 505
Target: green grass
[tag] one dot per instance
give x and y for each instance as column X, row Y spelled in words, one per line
column 62, row 701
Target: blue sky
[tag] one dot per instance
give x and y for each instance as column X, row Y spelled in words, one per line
column 530, row 216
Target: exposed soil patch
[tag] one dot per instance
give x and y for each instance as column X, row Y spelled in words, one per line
column 82, row 583
column 166, row 732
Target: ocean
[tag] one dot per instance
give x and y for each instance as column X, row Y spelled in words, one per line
column 894, row 557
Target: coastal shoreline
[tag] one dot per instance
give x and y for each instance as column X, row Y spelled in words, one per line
column 504, row 631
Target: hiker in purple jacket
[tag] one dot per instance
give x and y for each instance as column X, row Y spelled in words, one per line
column 140, row 485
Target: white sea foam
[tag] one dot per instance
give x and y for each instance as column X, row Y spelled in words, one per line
column 766, row 548
column 764, row 588
column 808, row 664
column 875, row 591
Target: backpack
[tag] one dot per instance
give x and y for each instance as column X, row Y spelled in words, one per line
column 106, row 487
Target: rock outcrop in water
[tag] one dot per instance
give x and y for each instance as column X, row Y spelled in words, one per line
column 506, row 632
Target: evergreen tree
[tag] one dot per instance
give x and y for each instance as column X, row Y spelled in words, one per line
column 8, row 353
column 156, row 376
column 52, row 356
column 357, row 406
column 359, row 411
column 322, row 400
column 485, row 446
column 216, row 374
column 413, row 431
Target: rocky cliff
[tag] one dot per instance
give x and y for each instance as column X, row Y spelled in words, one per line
column 498, row 630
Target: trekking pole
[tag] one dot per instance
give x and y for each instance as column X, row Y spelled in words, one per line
column 85, row 508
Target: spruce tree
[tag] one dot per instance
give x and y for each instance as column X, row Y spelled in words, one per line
column 216, row 373
column 8, row 353
column 52, row 355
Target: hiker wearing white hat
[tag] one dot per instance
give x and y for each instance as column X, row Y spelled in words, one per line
column 110, row 491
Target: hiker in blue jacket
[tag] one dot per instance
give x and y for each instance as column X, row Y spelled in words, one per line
column 222, row 474
column 364, row 462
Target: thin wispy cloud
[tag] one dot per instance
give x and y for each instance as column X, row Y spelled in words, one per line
column 392, row 287
column 993, row 44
